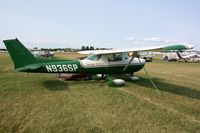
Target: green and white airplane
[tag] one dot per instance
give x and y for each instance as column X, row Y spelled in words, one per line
column 107, row 62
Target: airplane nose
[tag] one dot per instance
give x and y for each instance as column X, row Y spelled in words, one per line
column 141, row 61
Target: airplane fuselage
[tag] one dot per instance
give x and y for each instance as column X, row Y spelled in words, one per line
column 79, row 66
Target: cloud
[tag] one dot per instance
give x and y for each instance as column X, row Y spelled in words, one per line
column 174, row 40
column 153, row 39
column 158, row 40
column 129, row 38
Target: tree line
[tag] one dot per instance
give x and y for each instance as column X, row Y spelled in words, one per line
column 71, row 49
column 92, row 48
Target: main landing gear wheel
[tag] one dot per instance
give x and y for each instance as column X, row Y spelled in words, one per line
column 115, row 82
column 134, row 78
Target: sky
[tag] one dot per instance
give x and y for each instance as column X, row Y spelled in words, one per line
column 100, row 23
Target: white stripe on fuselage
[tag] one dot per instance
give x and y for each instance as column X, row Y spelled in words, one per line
column 95, row 64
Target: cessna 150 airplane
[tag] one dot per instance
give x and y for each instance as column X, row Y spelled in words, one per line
column 98, row 62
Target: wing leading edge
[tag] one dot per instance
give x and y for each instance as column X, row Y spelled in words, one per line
column 178, row 47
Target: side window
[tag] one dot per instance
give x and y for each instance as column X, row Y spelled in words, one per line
column 118, row 57
column 115, row 57
column 110, row 57
column 97, row 57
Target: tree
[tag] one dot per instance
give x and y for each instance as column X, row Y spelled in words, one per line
column 91, row 48
column 87, row 48
column 83, row 48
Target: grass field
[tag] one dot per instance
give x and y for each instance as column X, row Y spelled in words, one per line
column 42, row 103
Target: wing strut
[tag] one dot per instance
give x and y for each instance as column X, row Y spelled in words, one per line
column 128, row 63
column 136, row 55
column 150, row 78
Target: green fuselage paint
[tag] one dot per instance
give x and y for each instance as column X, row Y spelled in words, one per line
column 76, row 67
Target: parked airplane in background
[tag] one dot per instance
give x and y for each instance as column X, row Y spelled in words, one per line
column 39, row 53
column 194, row 57
column 107, row 62
column 189, row 56
column 170, row 56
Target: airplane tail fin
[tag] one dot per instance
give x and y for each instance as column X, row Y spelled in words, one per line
column 179, row 56
column 19, row 54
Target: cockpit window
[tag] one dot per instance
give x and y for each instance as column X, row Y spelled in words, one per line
column 115, row 57
column 94, row 57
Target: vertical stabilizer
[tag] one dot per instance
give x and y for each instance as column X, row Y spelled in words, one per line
column 179, row 56
column 20, row 55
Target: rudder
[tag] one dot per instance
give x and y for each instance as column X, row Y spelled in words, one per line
column 20, row 55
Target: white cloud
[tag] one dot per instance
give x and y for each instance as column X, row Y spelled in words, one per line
column 153, row 39
column 129, row 38
column 174, row 40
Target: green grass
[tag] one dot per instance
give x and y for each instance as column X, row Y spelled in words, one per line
column 42, row 103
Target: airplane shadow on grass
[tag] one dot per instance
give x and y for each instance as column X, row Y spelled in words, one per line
column 58, row 85
column 172, row 88
column 55, row 85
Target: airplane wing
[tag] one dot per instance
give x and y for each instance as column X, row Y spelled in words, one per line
column 178, row 47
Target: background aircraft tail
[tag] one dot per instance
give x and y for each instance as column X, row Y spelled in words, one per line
column 19, row 54
column 179, row 56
